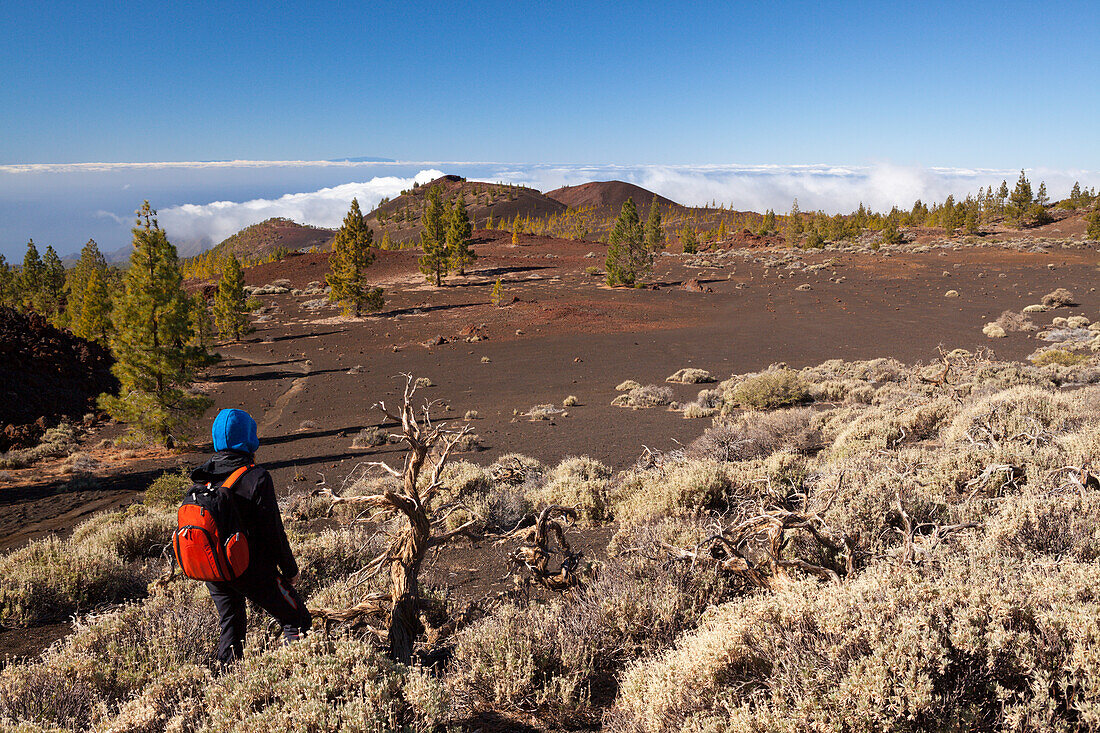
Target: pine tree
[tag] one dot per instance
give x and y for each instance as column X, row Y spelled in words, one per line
column 53, row 287
column 628, row 258
column 515, row 231
column 154, row 363
column 31, row 279
column 351, row 255
column 794, row 227
column 721, row 237
column 1020, row 201
column 91, row 260
column 689, row 241
column 497, row 296
column 768, row 225
column 230, row 311
column 1002, row 197
column 1093, row 219
column 1075, row 195
column 654, row 232
column 202, row 326
column 433, row 238
column 459, row 230
column 8, row 290
column 972, row 219
column 94, row 319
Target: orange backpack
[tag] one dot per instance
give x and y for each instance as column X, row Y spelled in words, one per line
column 210, row 542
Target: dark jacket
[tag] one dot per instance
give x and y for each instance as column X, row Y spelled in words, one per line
column 268, row 546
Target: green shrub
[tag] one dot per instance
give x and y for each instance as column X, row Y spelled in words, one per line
column 684, row 488
column 1061, row 357
column 769, row 390
column 578, row 482
column 168, row 489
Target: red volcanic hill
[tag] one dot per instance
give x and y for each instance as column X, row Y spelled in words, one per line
column 399, row 219
column 609, row 195
column 267, row 237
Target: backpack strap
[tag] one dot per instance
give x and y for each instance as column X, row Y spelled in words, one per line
column 233, row 477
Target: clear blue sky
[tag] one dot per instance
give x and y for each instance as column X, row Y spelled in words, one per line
column 1004, row 84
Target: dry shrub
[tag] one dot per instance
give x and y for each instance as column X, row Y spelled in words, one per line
column 1019, row 413
column 322, row 684
column 682, row 488
column 1060, row 298
column 1011, row 321
column 627, row 386
column 136, row 533
column 754, row 434
column 516, row 659
column 168, row 489
column 35, row 697
column 543, row 412
column 469, row 443
column 335, row 554
column 172, row 702
column 556, row 658
column 370, row 437
column 769, row 390
column 1062, row 526
column 50, row 579
column 123, row 651
column 498, row 505
column 691, row 376
column 904, row 648
column 57, row 442
column 644, row 397
column 578, row 482
column 516, row 469
column 886, row 426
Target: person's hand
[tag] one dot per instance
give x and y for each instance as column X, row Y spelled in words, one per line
column 294, row 580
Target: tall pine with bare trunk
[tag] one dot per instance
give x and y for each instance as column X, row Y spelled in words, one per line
column 155, row 363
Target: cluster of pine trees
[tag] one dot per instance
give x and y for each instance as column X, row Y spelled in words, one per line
column 631, row 244
column 445, row 237
column 157, row 334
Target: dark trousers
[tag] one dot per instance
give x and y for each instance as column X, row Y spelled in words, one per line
column 269, row 591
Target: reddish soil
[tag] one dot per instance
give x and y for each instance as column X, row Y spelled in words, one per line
column 310, row 376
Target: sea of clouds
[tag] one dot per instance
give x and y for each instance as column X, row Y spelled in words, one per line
column 202, row 203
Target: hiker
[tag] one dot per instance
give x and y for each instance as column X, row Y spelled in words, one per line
column 264, row 571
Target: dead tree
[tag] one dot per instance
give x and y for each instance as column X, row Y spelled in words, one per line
column 922, row 538
column 756, row 547
column 429, row 446
column 535, row 553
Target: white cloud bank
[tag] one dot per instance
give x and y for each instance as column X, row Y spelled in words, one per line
column 830, row 188
column 197, row 226
column 757, row 188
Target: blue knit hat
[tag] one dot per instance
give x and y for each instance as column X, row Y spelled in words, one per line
column 235, row 430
